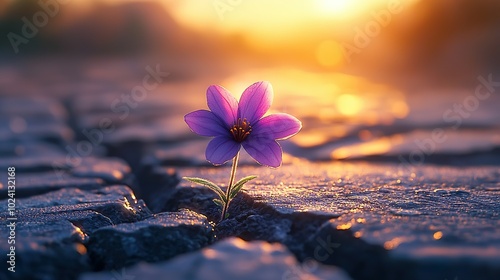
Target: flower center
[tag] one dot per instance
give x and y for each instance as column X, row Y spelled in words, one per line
column 241, row 130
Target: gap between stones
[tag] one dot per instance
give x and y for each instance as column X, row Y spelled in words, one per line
column 304, row 234
column 308, row 236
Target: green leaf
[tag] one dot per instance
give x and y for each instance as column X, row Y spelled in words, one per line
column 209, row 185
column 219, row 202
column 237, row 187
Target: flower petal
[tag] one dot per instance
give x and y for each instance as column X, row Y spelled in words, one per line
column 221, row 149
column 205, row 123
column 222, row 104
column 277, row 126
column 264, row 150
column 255, row 101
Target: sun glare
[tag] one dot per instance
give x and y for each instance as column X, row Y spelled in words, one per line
column 273, row 16
column 336, row 7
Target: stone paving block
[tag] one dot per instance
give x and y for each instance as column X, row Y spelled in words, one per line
column 448, row 217
column 50, row 236
column 230, row 259
column 160, row 237
column 38, row 175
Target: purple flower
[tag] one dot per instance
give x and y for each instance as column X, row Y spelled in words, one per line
column 236, row 124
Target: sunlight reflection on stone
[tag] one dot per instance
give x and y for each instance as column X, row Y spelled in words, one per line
column 393, row 243
column 79, row 231
column 117, row 174
column 438, row 235
column 209, row 253
column 345, row 226
column 126, row 205
column 335, row 102
column 378, row 146
column 293, row 87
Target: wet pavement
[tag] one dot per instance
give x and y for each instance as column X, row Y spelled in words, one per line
column 426, row 222
column 99, row 194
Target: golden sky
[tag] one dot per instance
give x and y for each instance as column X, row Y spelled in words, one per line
column 264, row 19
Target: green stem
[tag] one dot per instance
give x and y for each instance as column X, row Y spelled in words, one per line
column 229, row 186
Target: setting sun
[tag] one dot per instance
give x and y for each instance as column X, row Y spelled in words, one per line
column 338, row 7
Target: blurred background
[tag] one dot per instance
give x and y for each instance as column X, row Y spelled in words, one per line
column 370, row 80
